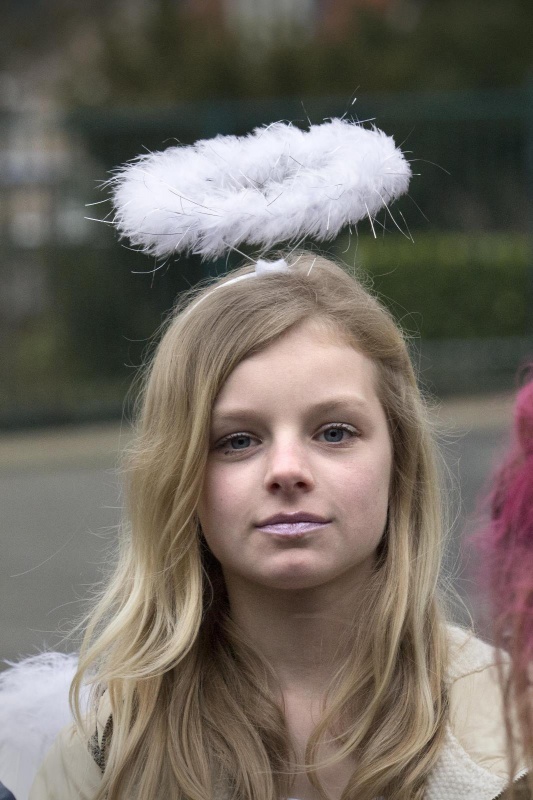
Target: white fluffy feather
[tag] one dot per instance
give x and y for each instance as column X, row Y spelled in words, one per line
column 278, row 184
column 33, row 709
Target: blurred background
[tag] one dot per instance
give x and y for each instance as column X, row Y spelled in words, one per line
column 85, row 87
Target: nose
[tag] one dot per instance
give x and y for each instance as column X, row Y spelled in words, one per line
column 288, row 469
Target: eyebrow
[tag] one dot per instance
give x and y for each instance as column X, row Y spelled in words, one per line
column 335, row 404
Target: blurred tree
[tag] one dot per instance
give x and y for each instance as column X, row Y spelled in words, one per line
column 158, row 52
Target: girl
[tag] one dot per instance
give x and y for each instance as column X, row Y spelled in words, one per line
column 507, row 546
column 273, row 629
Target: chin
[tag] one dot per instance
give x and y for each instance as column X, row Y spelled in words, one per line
column 294, row 578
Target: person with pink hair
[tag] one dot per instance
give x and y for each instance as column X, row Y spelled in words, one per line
column 507, row 548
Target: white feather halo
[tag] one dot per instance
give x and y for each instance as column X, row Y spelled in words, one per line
column 277, row 184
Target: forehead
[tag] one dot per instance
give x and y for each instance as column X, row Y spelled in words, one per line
column 312, row 361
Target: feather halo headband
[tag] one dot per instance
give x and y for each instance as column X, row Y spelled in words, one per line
column 277, row 184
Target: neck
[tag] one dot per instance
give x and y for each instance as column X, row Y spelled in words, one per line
column 304, row 635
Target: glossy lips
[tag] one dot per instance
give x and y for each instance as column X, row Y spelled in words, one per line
column 296, row 524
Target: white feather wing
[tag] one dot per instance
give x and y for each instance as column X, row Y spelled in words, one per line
column 33, row 709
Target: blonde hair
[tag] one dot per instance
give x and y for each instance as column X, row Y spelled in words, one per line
column 193, row 711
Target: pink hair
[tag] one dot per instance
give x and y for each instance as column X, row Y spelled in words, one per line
column 507, row 544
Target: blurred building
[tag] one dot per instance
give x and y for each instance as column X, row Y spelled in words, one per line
column 267, row 18
column 40, row 204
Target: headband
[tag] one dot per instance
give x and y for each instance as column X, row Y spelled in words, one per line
column 276, row 184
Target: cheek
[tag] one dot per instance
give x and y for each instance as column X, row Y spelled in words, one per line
column 220, row 498
column 220, row 512
column 366, row 485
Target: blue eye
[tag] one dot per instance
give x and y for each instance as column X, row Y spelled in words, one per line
column 239, row 442
column 336, row 434
column 235, row 443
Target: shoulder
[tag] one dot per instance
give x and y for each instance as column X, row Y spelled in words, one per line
column 73, row 766
column 68, row 770
column 477, row 716
column 473, row 760
column 467, row 654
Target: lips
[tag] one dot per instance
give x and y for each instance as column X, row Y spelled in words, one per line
column 297, row 524
column 297, row 516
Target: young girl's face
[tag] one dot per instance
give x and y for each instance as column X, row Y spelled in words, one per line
column 297, row 483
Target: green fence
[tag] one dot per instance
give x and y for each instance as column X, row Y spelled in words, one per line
column 78, row 310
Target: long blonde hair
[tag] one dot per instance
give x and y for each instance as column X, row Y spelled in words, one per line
column 193, row 711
